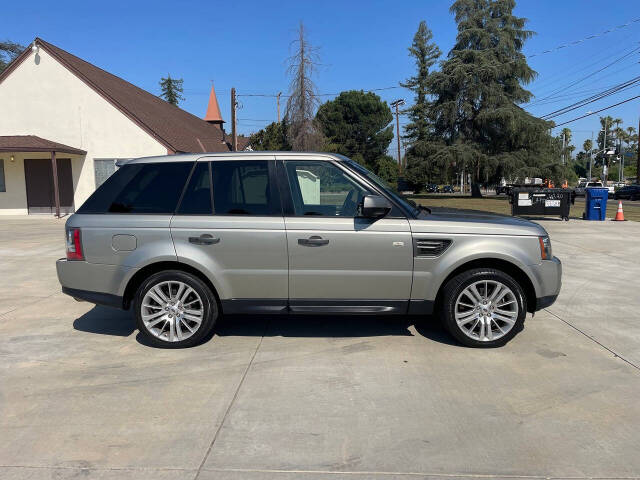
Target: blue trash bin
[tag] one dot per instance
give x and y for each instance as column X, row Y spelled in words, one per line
column 595, row 203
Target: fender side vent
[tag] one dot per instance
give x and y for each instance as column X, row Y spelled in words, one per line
column 429, row 247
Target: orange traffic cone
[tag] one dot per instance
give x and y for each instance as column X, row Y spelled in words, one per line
column 620, row 213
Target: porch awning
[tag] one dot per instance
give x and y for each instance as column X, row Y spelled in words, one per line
column 31, row 143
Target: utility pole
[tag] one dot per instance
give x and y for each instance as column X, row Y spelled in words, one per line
column 621, row 168
column 396, row 104
column 605, row 168
column 234, row 132
column 590, row 158
column 278, row 100
column 638, row 156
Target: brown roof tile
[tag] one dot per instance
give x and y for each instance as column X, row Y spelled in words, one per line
column 175, row 128
column 31, row 143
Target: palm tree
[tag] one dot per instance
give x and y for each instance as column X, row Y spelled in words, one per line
column 587, row 146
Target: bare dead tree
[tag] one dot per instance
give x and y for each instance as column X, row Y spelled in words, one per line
column 302, row 103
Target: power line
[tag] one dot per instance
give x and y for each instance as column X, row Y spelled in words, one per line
column 598, row 111
column 594, row 98
column 315, row 95
column 589, row 37
column 543, row 84
column 586, row 76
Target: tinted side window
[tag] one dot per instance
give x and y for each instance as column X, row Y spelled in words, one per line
column 321, row 188
column 140, row 188
column 242, row 188
column 197, row 197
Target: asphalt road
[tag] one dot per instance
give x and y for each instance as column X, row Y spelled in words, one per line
column 82, row 394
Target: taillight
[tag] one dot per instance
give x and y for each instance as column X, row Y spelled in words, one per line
column 74, row 244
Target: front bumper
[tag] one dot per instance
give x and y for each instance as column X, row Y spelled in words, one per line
column 548, row 278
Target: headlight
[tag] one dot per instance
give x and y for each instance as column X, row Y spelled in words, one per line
column 545, row 248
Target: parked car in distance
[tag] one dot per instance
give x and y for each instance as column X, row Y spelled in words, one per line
column 580, row 189
column 629, row 192
column 446, row 189
column 503, row 189
column 431, row 188
column 184, row 239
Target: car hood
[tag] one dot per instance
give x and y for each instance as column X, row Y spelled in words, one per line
column 473, row 222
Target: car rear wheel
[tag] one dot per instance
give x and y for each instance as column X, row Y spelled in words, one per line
column 483, row 307
column 175, row 309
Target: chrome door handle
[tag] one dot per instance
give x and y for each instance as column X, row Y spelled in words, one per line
column 313, row 241
column 204, row 239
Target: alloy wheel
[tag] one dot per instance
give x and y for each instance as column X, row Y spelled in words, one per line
column 486, row 310
column 172, row 311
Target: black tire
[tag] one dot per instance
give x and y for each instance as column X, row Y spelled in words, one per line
column 208, row 300
column 454, row 288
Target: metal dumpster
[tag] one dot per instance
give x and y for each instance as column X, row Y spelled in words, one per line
column 541, row 201
column 595, row 203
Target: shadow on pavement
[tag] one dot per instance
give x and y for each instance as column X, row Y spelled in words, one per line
column 106, row 321
column 333, row 326
column 110, row 321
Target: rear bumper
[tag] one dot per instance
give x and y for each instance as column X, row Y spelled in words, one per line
column 94, row 297
column 93, row 282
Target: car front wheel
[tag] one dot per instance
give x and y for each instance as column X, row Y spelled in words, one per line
column 483, row 307
column 175, row 309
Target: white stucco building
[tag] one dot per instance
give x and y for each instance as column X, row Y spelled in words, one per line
column 61, row 113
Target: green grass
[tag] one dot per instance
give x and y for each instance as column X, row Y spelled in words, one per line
column 501, row 205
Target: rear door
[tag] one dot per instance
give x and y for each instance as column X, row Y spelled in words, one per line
column 337, row 260
column 230, row 224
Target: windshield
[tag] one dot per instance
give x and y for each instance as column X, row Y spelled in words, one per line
column 409, row 205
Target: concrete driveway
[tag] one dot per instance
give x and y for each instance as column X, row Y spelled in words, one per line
column 81, row 395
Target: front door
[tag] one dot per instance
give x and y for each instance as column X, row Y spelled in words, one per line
column 235, row 231
column 337, row 260
column 39, row 183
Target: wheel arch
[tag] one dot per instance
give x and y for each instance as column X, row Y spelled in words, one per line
column 145, row 272
column 505, row 266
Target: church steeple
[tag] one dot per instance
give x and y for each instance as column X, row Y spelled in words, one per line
column 213, row 115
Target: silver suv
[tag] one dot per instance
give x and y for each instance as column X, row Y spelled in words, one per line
column 183, row 239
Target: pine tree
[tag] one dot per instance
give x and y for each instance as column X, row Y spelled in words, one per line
column 478, row 123
column 355, row 123
column 273, row 137
column 171, row 89
column 8, row 52
column 420, row 167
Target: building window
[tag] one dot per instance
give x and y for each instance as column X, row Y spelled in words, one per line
column 103, row 168
column 3, row 185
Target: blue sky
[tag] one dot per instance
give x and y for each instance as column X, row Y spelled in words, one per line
column 363, row 45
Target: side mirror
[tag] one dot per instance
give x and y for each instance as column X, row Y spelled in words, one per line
column 374, row 206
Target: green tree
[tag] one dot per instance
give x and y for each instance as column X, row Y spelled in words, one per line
column 607, row 125
column 388, row 170
column 356, row 122
column 273, row 137
column 8, row 52
column 420, row 167
column 171, row 89
column 478, row 123
column 567, row 148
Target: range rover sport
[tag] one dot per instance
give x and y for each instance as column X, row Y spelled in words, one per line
column 183, row 239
